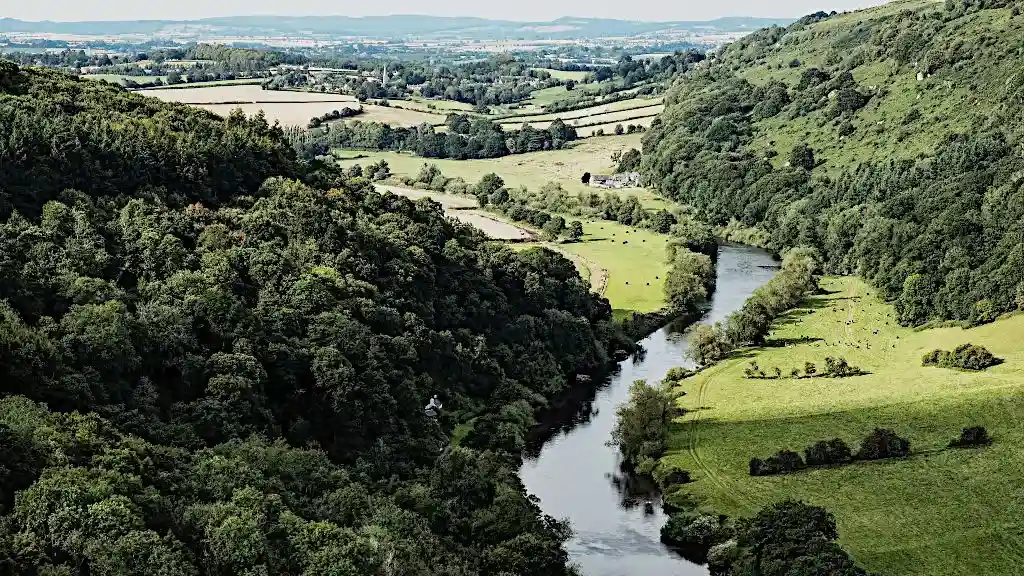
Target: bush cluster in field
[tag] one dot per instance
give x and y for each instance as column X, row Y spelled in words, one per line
column 878, row 445
column 787, row 534
column 964, row 357
column 834, row 368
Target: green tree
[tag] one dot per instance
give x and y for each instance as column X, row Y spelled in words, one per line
column 554, row 227
column 575, row 230
column 629, row 161
column 802, row 157
column 641, row 425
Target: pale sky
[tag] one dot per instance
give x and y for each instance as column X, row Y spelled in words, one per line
column 651, row 10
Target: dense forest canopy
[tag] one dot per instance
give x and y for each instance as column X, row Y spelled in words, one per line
column 886, row 139
column 214, row 357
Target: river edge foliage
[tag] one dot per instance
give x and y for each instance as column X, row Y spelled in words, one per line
column 215, row 356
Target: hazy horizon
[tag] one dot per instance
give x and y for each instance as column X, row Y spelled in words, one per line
column 524, row 10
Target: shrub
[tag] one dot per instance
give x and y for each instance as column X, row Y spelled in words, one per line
column 984, row 312
column 783, row 462
column 694, row 535
column 964, row 357
column 840, row 368
column 828, row 453
column 882, row 443
column 722, row 556
column 971, row 357
column 678, row 373
column 810, row 369
column 973, row 436
column 673, row 476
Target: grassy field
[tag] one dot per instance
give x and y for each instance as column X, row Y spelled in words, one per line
column 432, row 106
column 565, row 75
column 532, row 170
column 625, row 265
column 939, row 512
column 635, row 270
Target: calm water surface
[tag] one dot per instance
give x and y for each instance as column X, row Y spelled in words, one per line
column 577, row 476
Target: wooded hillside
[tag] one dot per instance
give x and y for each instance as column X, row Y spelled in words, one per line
column 211, row 364
column 888, row 139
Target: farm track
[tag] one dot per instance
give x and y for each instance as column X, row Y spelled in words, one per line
column 693, row 431
column 693, row 449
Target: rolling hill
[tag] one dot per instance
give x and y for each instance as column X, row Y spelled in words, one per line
column 886, row 138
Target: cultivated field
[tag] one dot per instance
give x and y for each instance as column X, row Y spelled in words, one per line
column 609, row 128
column 116, row 78
column 287, row 113
column 564, row 75
column 939, row 512
column 636, row 104
column 251, row 93
column 532, row 170
column 397, row 116
column 595, row 119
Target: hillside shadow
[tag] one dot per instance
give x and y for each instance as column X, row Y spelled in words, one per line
column 784, row 342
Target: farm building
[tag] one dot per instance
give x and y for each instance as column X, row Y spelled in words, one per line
column 621, row 180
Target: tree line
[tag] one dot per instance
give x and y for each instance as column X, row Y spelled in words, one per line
column 751, row 323
column 465, row 138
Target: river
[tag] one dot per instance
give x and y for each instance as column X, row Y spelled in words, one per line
column 576, row 475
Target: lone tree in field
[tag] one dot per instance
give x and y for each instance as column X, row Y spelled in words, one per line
column 575, row 231
column 553, row 227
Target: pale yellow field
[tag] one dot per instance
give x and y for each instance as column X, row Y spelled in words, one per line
column 397, row 116
column 565, row 75
column 532, row 170
column 597, row 120
column 240, row 93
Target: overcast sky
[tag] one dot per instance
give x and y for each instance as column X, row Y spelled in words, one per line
column 654, row 10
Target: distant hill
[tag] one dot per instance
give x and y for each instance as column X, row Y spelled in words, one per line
column 398, row 26
column 889, row 139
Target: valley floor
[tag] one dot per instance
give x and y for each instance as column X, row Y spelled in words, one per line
column 938, row 512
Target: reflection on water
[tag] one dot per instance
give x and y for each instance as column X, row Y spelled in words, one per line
column 616, row 518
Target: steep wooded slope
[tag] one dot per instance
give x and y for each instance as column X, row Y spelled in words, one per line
column 887, row 138
column 211, row 363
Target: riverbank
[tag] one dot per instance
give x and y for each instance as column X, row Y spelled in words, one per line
column 576, row 475
column 937, row 512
